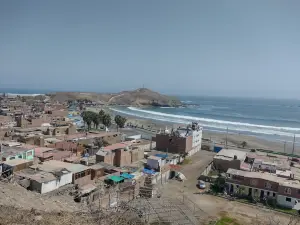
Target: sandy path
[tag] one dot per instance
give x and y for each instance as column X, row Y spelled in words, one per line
column 215, row 206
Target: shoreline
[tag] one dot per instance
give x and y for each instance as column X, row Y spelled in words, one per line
column 234, row 139
column 273, row 132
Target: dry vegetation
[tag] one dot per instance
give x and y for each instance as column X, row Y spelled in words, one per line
column 10, row 215
column 139, row 97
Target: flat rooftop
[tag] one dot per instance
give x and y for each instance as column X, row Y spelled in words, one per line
column 117, row 146
column 54, row 165
column 266, row 176
column 155, row 152
column 37, row 175
column 10, row 151
column 87, row 135
column 16, row 162
column 228, row 154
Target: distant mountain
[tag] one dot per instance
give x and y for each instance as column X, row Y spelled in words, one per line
column 139, row 97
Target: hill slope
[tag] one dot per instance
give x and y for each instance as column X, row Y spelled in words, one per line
column 139, row 97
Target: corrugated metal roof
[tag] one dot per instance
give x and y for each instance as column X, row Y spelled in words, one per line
column 127, row 176
column 115, row 178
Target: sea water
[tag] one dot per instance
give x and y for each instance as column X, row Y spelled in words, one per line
column 267, row 118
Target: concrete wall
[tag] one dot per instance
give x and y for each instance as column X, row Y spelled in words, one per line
column 83, row 180
column 36, row 122
column 59, row 113
column 261, row 166
column 284, row 201
column 153, row 163
column 97, row 173
column 224, row 165
column 197, row 138
column 255, row 192
column 51, row 185
column 161, row 178
column 136, row 155
column 204, row 175
column 29, row 155
column 194, row 150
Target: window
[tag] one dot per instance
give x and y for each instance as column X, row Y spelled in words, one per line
column 11, row 158
column 288, row 199
column 287, row 191
column 274, row 194
column 299, row 191
column 29, row 153
column 253, row 182
column 268, row 193
column 268, row 185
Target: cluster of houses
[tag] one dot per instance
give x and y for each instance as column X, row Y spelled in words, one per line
column 260, row 175
column 43, row 148
column 44, row 169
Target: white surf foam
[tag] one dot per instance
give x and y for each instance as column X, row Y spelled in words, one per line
column 219, row 124
column 25, row 95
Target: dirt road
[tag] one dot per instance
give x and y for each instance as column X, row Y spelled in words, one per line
column 211, row 205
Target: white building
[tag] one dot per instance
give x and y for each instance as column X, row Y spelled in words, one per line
column 43, row 182
column 264, row 186
column 154, row 162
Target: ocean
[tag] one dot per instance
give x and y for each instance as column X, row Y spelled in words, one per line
column 264, row 118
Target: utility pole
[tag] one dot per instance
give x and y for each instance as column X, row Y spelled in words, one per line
column 226, row 137
column 284, row 146
column 294, row 143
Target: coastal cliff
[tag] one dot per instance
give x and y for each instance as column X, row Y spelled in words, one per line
column 139, row 97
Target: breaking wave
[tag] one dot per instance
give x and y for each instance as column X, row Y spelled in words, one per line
column 212, row 123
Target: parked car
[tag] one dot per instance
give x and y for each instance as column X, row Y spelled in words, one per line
column 201, row 184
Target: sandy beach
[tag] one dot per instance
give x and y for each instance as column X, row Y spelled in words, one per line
column 234, row 140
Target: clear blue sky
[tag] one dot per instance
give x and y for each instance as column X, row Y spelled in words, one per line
column 229, row 47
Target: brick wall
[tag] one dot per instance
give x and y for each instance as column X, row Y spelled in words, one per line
column 294, row 192
column 254, row 183
column 177, row 145
column 122, row 157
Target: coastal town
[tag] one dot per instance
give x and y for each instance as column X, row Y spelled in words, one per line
column 77, row 152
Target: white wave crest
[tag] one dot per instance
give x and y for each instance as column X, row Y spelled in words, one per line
column 219, row 124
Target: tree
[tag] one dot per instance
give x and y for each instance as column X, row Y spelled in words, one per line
column 120, row 121
column 101, row 113
column 219, row 185
column 87, row 117
column 106, row 120
column 96, row 119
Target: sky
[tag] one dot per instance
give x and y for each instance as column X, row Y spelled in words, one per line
column 193, row 47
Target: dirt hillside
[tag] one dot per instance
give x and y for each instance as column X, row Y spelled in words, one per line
column 139, row 97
